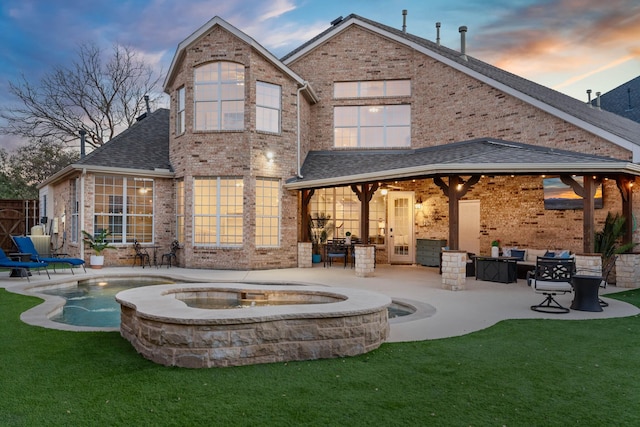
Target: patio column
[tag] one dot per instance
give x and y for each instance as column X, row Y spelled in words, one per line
column 587, row 191
column 628, row 271
column 454, row 191
column 625, row 185
column 305, row 251
column 454, row 270
column 365, row 194
column 589, row 264
column 305, row 225
column 365, row 260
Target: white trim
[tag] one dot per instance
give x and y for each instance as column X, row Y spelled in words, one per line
column 470, row 169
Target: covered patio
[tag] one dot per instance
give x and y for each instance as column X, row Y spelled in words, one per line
column 458, row 169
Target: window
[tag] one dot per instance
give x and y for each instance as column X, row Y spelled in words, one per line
column 124, row 206
column 218, row 211
column 341, row 206
column 372, row 89
column 219, row 96
column 372, row 126
column 180, row 211
column 268, row 107
column 180, row 124
column 75, row 206
column 267, row 212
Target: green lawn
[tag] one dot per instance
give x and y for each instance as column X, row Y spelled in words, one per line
column 517, row 373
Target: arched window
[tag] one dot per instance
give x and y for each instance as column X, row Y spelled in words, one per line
column 219, row 96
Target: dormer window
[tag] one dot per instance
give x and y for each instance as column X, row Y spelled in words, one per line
column 219, row 96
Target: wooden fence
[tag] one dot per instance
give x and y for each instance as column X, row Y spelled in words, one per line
column 16, row 217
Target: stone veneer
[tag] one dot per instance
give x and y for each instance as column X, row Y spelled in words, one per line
column 628, row 271
column 166, row 331
column 454, row 269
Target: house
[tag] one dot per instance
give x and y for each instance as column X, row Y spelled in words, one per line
column 623, row 100
column 390, row 136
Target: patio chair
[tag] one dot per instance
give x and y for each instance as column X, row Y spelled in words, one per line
column 25, row 245
column 141, row 254
column 552, row 276
column 22, row 267
column 335, row 249
column 175, row 245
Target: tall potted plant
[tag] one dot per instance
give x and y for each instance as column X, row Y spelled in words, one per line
column 319, row 229
column 608, row 241
column 98, row 243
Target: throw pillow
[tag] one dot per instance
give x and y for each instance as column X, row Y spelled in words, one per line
column 549, row 254
column 517, row 253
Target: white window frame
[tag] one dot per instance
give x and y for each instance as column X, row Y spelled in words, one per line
column 218, row 211
column 267, row 212
column 372, row 89
column 180, row 111
column 127, row 207
column 353, row 126
column 219, row 101
column 268, row 107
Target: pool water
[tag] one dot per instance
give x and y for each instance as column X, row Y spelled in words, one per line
column 93, row 303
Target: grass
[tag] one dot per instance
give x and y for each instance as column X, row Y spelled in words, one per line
column 516, row 373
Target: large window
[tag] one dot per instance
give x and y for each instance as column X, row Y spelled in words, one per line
column 124, row 206
column 372, row 89
column 373, row 126
column 218, row 211
column 219, row 96
column 267, row 212
column 268, row 107
column 180, row 115
column 180, row 210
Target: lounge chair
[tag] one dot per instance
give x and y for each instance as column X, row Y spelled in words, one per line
column 25, row 245
column 23, row 267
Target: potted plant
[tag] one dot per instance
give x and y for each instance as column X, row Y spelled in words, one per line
column 608, row 243
column 319, row 229
column 98, row 243
column 495, row 248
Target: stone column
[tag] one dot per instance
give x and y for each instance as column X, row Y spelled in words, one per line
column 304, row 255
column 589, row 264
column 365, row 260
column 454, row 269
column 628, row 271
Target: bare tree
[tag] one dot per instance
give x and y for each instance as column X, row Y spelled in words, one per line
column 101, row 96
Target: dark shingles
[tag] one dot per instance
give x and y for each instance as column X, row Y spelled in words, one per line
column 322, row 165
column 144, row 146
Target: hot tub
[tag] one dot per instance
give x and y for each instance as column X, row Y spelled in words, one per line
column 300, row 323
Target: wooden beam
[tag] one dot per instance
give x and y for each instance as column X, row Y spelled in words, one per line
column 588, row 222
column 454, row 191
column 365, row 193
column 305, row 225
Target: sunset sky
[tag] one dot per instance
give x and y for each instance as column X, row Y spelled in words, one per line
column 567, row 45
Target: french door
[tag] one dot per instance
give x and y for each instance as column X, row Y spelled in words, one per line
column 401, row 237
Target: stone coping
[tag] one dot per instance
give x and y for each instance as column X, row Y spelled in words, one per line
column 156, row 302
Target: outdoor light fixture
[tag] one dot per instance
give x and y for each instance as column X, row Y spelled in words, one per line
column 384, row 191
column 419, row 203
column 269, row 156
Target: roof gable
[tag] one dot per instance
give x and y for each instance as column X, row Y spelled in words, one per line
column 611, row 127
column 217, row 21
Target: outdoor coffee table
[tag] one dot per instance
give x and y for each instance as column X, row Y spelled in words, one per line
column 497, row 269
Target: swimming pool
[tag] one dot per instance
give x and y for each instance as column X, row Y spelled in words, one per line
column 92, row 302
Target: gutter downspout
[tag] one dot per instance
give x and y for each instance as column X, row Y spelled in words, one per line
column 299, row 166
column 81, row 213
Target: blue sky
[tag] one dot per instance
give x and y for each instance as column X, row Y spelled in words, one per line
column 568, row 45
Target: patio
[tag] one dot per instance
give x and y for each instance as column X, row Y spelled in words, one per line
column 441, row 313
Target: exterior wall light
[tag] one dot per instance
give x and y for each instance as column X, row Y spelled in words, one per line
column 270, row 156
column 419, row 203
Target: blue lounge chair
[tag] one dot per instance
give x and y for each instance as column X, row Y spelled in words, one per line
column 25, row 245
column 23, row 267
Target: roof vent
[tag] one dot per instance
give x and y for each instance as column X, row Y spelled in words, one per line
column 404, row 20
column 598, row 101
column 336, row 21
column 589, row 98
column 463, row 41
column 438, row 33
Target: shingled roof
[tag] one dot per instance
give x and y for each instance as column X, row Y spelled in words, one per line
column 617, row 129
column 144, row 146
column 478, row 156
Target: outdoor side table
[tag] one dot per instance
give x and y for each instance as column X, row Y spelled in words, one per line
column 19, row 256
column 585, row 290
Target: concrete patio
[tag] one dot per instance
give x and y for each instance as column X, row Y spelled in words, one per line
column 441, row 313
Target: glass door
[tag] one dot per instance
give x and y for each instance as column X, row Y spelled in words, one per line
column 401, row 238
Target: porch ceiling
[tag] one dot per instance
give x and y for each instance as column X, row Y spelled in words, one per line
column 479, row 156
